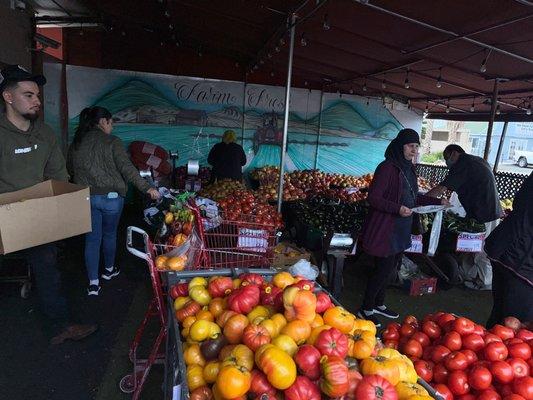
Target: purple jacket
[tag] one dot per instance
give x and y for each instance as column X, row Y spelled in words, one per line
column 384, row 197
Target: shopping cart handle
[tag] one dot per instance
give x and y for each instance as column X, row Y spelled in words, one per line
column 129, row 242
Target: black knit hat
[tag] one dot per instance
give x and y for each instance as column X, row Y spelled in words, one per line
column 406, row 136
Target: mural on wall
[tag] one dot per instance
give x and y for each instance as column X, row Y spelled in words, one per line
column 190, row 115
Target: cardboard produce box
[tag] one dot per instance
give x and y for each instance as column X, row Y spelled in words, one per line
column 287, row 254
column 43, row 213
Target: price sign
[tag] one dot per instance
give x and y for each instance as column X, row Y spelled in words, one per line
column 416, row 244
column 254, row 240
column 470, row 242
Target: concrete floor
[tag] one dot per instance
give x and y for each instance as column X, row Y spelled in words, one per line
column 92, row 369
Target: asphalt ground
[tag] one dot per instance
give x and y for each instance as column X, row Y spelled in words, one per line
column 30, row 368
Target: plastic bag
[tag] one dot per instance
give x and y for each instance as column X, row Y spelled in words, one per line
column 304, row 268
column 434, row 236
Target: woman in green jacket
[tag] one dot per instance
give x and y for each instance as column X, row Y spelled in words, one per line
column 98, row 159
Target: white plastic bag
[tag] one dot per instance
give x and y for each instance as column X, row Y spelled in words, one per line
column 435, row 234
column 304, row 268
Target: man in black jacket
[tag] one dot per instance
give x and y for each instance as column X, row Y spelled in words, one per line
column 227, row 158
column 510, row 248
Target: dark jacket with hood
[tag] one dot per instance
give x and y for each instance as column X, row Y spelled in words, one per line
column 511, row 243
column 101, row 162
column 28, row 157
column 227, row 160
column 380, row 233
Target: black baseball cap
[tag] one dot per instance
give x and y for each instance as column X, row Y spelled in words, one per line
column 15, row 73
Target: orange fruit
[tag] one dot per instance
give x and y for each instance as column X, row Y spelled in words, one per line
column 176, row 263
column 160, row 262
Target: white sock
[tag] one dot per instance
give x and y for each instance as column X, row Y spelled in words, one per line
column 94, row 282
column 109, row 268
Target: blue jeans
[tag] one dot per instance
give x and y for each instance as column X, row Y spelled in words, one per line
column 105, row 215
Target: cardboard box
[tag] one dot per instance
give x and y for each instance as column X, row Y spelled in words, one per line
column 43, row 213
column 287, row 254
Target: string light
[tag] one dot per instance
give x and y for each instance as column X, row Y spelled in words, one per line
column 269, row 55
column 272, row 73
column 162, row 44
column 408, row 104
column 426, row 110
column 364, row 86
column 383, row 83
column 473, row 106
column 439, row 79
column 483, row 67
column 303, row 40
column 325, row 25
column 277, row 49
column 282, row 42
column 406, row 83
column 351, row 90
column 498, row 111
column 306, row 84
column 528, row 111
column 448, row 107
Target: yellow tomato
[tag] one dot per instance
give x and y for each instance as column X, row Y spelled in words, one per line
column 195, row 377
column 200, row 295
column 318, row 321
column 187, row 322
column 285, row 343
column 365, row 325
column 283, row 279
column 197, row 281
column 211, row 371
column 258, row 312
column 405, row 390
column 201, row 330
column 205, row 314
column 180, row 302
column 193, row 356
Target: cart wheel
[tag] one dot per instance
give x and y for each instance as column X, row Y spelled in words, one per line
column 126, row 384
column 25, row 290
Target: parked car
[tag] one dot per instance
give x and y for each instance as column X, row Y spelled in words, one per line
column 523, row 158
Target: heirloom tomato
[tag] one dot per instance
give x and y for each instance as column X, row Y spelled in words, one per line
column 334, row 380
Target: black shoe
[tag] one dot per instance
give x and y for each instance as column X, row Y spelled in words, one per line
column 93, row 290
column 386, row 312
column 362, row 314
column 107, row 275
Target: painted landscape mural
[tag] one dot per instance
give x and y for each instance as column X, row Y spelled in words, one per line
column 190, row 115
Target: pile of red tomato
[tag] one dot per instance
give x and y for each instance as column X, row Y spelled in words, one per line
column 249, row 338
column 463, row 360
column 242, row 206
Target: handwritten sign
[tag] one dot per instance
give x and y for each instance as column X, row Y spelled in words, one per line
column 416, row 245
column 470, row 242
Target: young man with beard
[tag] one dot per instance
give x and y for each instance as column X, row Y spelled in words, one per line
column 30, row 153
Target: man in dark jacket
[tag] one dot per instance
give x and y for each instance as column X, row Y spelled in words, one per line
column 227, row 158
column 31, row 154
column 510, row 248
column 472, row 179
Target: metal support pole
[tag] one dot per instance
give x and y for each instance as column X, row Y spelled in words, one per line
column 500, row 146
column 286, row 117
column 491, row 120
column 319, row 126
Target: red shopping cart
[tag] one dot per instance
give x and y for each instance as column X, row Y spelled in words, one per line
column 134, row 382
column 240, row 242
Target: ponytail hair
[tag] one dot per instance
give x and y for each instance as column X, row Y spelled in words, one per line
column 89, row 119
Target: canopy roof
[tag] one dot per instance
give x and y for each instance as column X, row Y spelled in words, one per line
column 371, row 48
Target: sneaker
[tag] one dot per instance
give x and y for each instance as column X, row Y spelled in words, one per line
column 107, row 275
column 369, row 316
column 93, row 290
column 386, row 312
